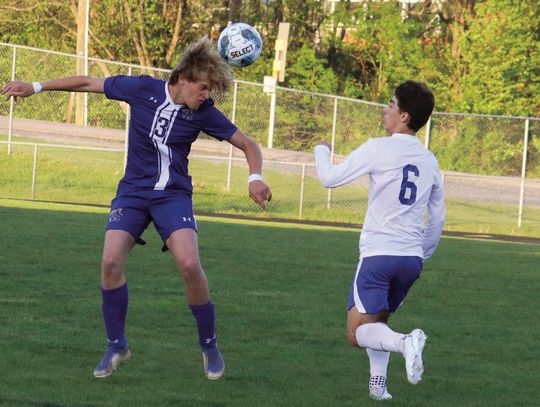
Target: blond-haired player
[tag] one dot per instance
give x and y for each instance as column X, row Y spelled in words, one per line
column 166, row 118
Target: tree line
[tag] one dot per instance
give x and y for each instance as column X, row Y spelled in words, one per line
column 478, row 56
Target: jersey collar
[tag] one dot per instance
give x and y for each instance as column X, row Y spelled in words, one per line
column 404, row 136
column 169, row 98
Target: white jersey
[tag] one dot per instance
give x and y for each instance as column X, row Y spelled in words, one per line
column 404, row 180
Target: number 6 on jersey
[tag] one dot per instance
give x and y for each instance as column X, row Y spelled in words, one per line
column 408, row 185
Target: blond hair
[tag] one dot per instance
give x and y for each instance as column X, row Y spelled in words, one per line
column 201, row 60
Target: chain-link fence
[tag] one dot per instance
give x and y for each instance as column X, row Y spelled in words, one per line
column 70, row 147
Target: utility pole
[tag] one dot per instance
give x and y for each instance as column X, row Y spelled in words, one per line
column 82, row 58
column 278, row 74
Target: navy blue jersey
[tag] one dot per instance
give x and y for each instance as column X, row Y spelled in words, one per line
column 161, row 133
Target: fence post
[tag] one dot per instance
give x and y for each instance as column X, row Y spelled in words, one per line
column 334, row 126
column 523, row 171
column 233, row 119
column 302, row 181
column 428, row 133
column 12, row 100
column 34, row 171
column 126, row 138
column 86, row 29
column 272, row 118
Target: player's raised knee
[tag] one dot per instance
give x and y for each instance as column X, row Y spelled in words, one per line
column 351, row 338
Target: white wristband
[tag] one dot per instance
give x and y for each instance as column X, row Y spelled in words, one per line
column 36, row 86
column 255, row 177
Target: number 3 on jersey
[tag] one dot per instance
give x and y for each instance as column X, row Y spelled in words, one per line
column 161, row 126
column 407, row 193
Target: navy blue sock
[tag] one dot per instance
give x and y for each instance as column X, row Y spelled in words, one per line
column 114, row 307
column 205, row 317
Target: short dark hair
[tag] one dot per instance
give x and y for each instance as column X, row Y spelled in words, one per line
column 416, row 99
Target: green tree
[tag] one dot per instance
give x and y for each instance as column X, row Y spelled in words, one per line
column 386, row 49
column 151, row 32
column 479, row 56
column 49, row 25
column 307, row 71
column 502, row 58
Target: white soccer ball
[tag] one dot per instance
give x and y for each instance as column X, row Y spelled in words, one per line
column 239, row 45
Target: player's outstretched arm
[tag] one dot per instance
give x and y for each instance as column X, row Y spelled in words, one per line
column 69, row 84
column 258, row 190
column 358, row 163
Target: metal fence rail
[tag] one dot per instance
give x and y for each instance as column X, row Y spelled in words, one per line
column 491, row 164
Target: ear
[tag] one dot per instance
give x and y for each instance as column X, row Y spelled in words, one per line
column 405, row 117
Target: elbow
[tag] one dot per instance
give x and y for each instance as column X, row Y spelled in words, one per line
column 442, row 221
column 327, row 182
column 329, row 185
column 436, row 227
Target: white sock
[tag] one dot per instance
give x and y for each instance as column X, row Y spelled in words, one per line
column 378, row 336
column 378, row 362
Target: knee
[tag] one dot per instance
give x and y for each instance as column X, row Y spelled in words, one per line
column 353, row 335
column 111, row 269
column 110, row 265
column 112, row 274
column 191, row 269
column 352, row 340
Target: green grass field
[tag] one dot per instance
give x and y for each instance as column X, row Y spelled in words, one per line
column 280, row 292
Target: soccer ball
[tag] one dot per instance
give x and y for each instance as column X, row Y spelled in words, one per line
column 239, row 45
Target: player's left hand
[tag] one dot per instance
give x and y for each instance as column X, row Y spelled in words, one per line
column 18, row 89
column 260, row 192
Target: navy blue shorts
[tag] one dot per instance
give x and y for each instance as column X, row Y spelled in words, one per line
column 169, row 210
column 381, row 283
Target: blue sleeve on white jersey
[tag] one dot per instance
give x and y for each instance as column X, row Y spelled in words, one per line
column 216, row 124
column 123, row 87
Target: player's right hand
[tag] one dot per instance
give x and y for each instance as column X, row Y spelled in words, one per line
column 324, row 143
column 18, row 89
